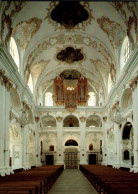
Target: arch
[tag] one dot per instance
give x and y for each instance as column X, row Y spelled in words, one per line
column 70, row 121
column 73, row 137
column 93, row 121
column 127, row 130
column 48, row 121
column 126, row 99
column 71, row 142
column 14, row 51
column 15, row 99
column 125, row 52
column 48, row 99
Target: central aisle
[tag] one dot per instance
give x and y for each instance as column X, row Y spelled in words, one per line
column 72, row 181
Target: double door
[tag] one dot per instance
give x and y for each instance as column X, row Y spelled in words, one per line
column 71, row 160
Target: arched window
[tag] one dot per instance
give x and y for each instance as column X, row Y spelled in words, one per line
column 48, row 99
column 30, row 83
column 110, row 83
column 14, row 51
column 125, row 53
column 92, row 99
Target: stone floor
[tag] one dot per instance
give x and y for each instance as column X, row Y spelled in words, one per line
column 72, row 181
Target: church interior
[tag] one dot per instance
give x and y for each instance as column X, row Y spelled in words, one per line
column 68, row 85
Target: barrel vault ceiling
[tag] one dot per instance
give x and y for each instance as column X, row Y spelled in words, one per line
column 40, row 39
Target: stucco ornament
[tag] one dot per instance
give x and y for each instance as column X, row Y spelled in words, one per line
column 59, row 119
column 117, row 117
column 83, row 119
column 113, row 30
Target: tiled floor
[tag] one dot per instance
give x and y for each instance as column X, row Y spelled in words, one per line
column 72, row 181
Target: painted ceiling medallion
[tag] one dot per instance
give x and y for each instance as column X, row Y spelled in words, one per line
column 70, row 55
column 69, row 13
column 73, row 15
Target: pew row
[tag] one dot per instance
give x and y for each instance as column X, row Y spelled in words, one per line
column 34, row 181
column 108, row 180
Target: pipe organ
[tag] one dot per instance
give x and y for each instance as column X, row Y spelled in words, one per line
column 70, row 92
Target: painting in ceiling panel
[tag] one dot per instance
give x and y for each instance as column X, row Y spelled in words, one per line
column 24, row 31
column 69, row 15
column 70, row 55
column 70, row 74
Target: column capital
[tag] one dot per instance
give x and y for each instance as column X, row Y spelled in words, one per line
column 83, row 119
column 59, row 119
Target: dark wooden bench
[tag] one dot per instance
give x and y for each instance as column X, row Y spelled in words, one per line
column 110, row 180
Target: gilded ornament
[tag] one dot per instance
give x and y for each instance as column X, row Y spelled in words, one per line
column 113, row 30
column 68, row 22
column 24, row 31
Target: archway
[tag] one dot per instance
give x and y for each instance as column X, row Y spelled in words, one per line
column 15, row 146
column 93, row 121
column 71, row 121
column 71, row 156
column 127, row 145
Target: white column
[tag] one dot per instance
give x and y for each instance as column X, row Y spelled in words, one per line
column 59, row 140
column 104, row 147
column 2, row 129
column 117, row 148
column 24, row 148
column 37, row 146
column 135, row 123
column 83, row 157
column 6, row 144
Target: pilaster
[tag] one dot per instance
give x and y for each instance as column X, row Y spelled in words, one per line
column 59, row 140
column 104, row 147
column 83, row 159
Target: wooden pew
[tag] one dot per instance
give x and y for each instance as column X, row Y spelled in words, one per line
column 34, row 181
column 110, row 180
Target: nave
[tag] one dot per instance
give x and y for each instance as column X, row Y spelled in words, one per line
column 72, row 181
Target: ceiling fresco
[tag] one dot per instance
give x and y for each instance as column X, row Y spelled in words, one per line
column 94, row 38
column 69, row 13
column 69, row 55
